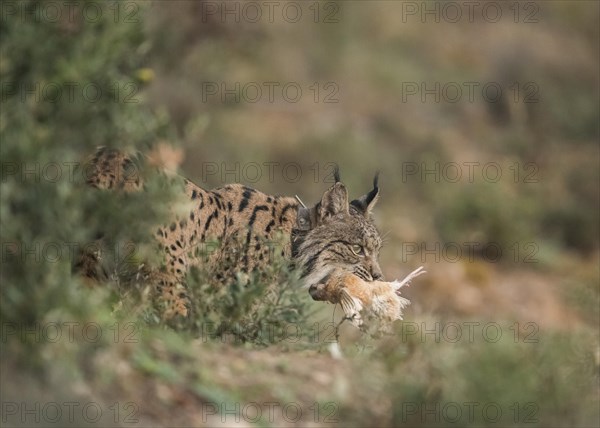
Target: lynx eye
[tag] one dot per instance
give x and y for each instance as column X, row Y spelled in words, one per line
column 358, row 250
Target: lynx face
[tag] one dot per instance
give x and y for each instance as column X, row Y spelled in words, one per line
column 341, row 235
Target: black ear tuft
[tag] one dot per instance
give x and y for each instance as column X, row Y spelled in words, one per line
column 366, row 202
column 376, row 181
column 336, row 173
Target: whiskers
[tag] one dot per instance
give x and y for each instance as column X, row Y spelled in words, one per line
column 385, row 237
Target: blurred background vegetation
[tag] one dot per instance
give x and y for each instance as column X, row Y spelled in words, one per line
column 166, row 75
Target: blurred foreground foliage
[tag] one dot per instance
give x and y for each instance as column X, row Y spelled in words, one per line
column 48, row 213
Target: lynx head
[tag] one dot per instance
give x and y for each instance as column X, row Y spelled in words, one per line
column 338, row 234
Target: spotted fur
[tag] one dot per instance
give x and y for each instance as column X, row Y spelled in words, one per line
column 231, row 229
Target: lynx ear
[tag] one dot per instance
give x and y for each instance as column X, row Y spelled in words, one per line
column 334, row 201
column 366, row 202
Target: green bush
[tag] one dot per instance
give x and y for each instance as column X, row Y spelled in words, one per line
column 48, row 214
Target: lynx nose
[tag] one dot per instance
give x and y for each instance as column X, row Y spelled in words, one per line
column 376, row 272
